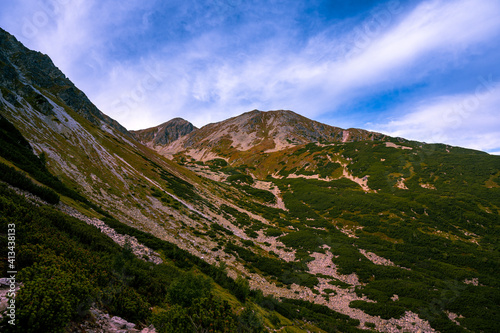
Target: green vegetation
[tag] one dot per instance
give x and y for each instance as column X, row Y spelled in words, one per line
column 187, row 288
column 216, row 164
column 284, row 272
column 384, row 310
column 240, row 178
column 180, row 187
column 261, row 195
column 444, row 235
column 206, row 314
column 16, row 149
column 165, row 198
column 18, row 179
column 326, row 319
column 326, row 170
column 273, row 232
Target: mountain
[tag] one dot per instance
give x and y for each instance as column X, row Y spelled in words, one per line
column 88, row 150
column 267, row 221
column 165, row 133
column 258, row 131
column 109, row 230
column 25, row 73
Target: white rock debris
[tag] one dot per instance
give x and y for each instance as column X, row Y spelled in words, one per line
column 473, row 281
column 453, row 317
column 140, row 251
column 100, row 322
column 5, row 291
column 377, row 260
column 323, row 264
column 393, row 145
column 401, row 184
column 428, row 186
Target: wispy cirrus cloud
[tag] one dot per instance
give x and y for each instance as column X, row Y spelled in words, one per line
column 328, row 70
column 453, row 119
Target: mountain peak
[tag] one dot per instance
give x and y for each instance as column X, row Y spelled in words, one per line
column 164, row 133
column 256, row 111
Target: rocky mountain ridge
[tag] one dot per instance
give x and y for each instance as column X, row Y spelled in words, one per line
column 259, row 131
column 165, row 133
column 26, row 72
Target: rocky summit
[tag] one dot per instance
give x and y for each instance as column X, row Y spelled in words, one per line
column 165, row 133
column 264, row 222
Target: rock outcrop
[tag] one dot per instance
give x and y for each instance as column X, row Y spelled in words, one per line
column 100, row 322
column 165, row 133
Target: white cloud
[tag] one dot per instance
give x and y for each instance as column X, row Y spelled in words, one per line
column 467, row 120
column 425, row 40
column 330, row 71
column 54, row 27
column 74, row 33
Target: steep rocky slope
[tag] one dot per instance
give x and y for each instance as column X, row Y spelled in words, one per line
column 165, row 133
column 26, row 72
column 91, row 152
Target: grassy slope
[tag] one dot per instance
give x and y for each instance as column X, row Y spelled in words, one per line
column 69, row 265
column 445, row 233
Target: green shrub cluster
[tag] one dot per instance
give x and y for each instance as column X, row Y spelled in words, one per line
column 262, row 195
column 18, row 179
column 180, row 187
column 384, row 310
column 206, row 314
column 240, row 178
column 326, row 170
column 216, row 164
column 165, row 198
column 187, row 288
column 50, row 297
column 285, row 272
column 325, row 318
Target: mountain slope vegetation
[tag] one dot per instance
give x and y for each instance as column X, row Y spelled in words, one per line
column 286, row 224
column 68, row 267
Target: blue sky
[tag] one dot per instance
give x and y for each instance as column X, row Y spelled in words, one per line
column 423, row 70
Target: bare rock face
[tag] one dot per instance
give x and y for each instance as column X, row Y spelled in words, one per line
column 101, row 322
column 165, row 133
column 8, row 287
column 32, row 75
